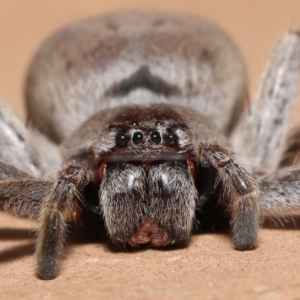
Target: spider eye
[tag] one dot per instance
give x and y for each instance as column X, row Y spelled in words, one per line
column 137, row 137
column 170, row 138
column 155, row 137
column 122, row 139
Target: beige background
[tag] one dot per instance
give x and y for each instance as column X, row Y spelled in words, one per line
column 209, row 268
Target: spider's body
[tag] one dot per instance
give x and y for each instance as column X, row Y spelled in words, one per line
column 147, row 110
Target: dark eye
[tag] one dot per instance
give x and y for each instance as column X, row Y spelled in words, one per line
column 137, row 137
column 170, row 138
column 122, row 139
column 155, row 137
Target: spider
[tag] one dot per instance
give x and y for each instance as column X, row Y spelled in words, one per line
column 142, row 113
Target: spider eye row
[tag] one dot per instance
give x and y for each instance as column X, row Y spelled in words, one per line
column 169, row 137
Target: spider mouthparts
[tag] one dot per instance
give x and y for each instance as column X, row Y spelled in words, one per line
column 150, row 233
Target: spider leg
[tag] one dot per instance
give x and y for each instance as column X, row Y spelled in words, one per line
column 25, row 147
column 62, row 204
column 239, row 193
column 53, row 203
column 260, row 137
column 280, row 193
column 21, row 194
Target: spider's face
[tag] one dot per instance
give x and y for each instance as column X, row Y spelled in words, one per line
column 147, row 193
column 146, row 177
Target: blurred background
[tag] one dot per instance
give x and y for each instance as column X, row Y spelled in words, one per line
column 24, row 24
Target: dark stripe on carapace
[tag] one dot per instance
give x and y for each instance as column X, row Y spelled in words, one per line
column 143, row 78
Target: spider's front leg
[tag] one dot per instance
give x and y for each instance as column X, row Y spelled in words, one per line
column 62, row 204
column 239, row 191
column 53, row 203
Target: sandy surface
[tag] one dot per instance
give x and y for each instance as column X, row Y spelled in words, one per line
column 209, row 268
